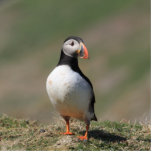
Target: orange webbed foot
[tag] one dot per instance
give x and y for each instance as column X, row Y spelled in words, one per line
column 67, row 133
column 83, row 138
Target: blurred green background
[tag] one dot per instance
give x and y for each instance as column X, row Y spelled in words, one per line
column 116, row 33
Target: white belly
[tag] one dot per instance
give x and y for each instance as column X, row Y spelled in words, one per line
column 69, row 93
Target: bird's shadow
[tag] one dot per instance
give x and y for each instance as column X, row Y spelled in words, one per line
column 105, row 136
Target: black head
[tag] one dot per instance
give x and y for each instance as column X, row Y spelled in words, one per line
column 79, row 39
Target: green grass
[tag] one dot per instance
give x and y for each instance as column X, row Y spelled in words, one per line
column 16, row 134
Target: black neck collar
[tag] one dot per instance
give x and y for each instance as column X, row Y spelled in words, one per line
column 73, row 63
column 67, row 60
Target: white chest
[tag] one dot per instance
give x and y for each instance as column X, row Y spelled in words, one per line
column 68, row 91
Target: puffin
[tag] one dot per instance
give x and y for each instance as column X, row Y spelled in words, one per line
column 70, row 91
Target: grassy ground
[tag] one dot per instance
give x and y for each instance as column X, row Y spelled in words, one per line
column 18, row 134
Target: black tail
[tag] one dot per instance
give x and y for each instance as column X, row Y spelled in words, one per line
column 94, row 118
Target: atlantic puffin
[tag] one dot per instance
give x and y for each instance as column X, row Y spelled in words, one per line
column 70, row 91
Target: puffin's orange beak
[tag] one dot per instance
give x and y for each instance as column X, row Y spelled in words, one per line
column 83, row 52
column 86, row 55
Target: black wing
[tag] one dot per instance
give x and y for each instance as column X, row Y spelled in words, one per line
column 92, row 102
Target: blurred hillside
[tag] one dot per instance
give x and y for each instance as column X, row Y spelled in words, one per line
column 116, row 33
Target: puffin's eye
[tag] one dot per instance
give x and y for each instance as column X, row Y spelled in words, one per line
column 72, row 43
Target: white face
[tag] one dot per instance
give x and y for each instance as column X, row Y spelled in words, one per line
column 70, row 47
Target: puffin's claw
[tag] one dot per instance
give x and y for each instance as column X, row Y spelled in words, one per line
column 83, row 138
column 67, row 133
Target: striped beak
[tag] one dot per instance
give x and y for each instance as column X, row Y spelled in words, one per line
column 83, row 52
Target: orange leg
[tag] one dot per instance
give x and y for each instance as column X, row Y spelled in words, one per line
column 85, row 137
column 67, row 129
